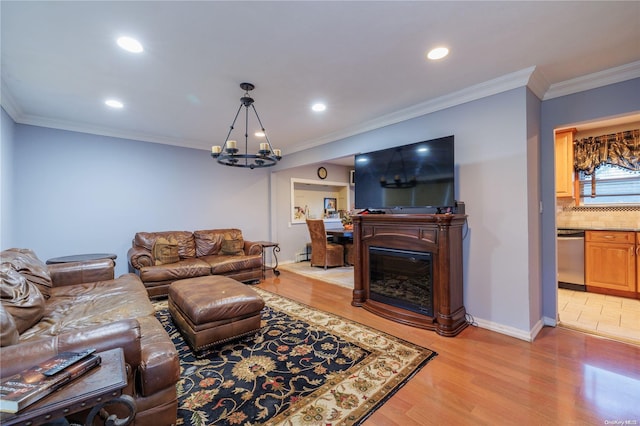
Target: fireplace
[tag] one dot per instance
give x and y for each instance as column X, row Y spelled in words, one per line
column 401, row 278
column 408, row 268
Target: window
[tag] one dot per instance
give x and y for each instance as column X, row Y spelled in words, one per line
column 610, row 184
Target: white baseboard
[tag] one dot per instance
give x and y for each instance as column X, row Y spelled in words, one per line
column 527, row 336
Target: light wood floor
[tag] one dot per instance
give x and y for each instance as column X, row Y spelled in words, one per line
column 481, row 377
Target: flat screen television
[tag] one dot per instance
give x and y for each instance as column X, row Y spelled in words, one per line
column 415, row 176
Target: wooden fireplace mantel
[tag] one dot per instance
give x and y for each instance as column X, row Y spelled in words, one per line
column 439, row 234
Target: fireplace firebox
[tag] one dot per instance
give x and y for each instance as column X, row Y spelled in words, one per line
column 408, row 268
column 401, row 278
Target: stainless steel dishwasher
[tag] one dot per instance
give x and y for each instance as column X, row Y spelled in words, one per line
column 571, row 259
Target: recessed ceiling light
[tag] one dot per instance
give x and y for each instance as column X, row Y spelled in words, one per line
column 438, row 53
column 113, row 103
column 130, row 44
column 259, row 134
column 319, row 107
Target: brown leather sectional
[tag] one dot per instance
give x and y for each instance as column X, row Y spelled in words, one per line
column 199, row 253
column 48, row 309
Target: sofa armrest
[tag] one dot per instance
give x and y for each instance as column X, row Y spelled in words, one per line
column 89, row 271
column 139, row 257
column 251, row 247
column 123, row 334
column 160, row 366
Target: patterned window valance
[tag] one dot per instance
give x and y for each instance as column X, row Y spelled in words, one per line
column 620, row 149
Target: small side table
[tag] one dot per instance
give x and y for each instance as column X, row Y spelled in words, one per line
column 98, row 388
column 82, row 258
column 275, row 249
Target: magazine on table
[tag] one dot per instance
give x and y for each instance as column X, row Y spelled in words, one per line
column 31, row 385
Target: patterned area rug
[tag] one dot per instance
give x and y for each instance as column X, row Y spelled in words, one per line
column 304, row 367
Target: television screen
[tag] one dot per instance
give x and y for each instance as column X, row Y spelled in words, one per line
column 416, row 175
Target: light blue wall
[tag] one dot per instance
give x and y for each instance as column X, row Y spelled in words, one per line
column 492, row 158
column 534, row 195
column 7, row 137
column 603, row 102
column 80, row 193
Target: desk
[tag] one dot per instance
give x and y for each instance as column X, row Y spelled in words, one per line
column 275, row 249
column 340, row 236
column 345, row 238
column 82, row 258
column 97, row 388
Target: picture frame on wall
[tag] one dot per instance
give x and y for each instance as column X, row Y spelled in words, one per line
column 330, row 205
column 299, row 213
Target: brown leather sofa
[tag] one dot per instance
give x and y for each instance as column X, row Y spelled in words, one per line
column 47, row 309
column 195, row 254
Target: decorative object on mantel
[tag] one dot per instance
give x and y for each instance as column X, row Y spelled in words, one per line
column 230, row 155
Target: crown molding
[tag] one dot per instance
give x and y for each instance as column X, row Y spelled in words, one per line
column 12, row 108
column 9, row 103
column 471, row 93
column 107, row 132
column 530, row 77
column 538, row 83
column 595, row 80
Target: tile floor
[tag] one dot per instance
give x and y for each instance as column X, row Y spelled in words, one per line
column 608, row 316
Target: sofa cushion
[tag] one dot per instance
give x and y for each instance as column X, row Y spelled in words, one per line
column 20, row 298
column 209, row 241
column 186, row 268
column 33, row 269
column 224, row 265
column 165, row 251
column 186, row 242
column 76, row 307
column 8, row 329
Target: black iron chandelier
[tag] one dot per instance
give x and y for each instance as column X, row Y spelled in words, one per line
column 230, row 155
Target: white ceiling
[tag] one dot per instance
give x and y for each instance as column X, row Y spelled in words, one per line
column 366, row 60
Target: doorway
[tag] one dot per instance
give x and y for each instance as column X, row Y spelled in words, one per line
column 614, row 317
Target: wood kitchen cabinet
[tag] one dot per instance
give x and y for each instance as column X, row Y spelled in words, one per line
column 611, row 262
column 565, row 174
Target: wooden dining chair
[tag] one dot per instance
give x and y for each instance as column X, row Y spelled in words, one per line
column 323, row 253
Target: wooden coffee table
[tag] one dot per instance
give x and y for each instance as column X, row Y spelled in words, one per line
column 98, row 388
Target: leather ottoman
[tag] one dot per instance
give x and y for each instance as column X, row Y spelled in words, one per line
column 214, row 309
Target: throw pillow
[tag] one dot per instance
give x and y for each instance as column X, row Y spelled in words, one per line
column 165, row 251
column 232, row 247
column 29, row 266
column 20, row 298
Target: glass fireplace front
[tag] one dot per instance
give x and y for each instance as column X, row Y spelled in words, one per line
column 401, row 278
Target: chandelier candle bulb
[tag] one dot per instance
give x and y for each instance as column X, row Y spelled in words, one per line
column 264, row 146
column 231, row 144
column 216, row 149
column 277, row 152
